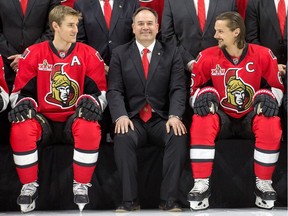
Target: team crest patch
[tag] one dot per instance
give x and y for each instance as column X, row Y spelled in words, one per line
column 272, row 55
column 99, row 56
column 239, row 94
column 198, row 57
column 64, row 90
column 280, row 78
column 218, row 71
column 25, row 53
column 45, row 66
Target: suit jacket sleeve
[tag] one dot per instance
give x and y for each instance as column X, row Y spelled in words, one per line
column 115, row 94
column 177, row 87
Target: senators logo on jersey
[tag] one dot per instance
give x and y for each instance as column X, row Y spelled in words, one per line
column 239, row 94
column 64, row 90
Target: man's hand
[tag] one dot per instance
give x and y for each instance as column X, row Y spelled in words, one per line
column 177, row 125
column 122, row 125
column 282, row 69
column 14, row 64
column 106, row 68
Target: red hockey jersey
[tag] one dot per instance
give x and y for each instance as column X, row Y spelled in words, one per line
column 236, row 80
column 56, row 80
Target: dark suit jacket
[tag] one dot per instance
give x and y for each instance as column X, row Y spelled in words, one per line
column 93, row 29
column 262, row 27
column 17, row 32
column 180, row 23
column 128, row 89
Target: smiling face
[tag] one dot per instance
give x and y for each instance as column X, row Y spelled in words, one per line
column 145, row 27
column 225, row 36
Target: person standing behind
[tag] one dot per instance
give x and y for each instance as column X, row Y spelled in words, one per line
column 59, row 97
column 266, row 25
column 106, row 24
column 242, row 5
column 190, row 24
column 157, row 5
column 243, row 81
column 147, row 101
column 69, row 3
column 23, row 23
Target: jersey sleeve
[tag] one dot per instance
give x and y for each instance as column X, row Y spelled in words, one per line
column 201, row 74
column 25, row 81
column 271, row 74
column 95, row 80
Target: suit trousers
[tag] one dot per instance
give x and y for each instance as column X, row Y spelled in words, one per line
column 153, row 132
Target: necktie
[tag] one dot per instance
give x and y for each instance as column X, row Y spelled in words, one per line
column 201, row 14
column 24, row 4
column 107, row 13
column 146, row 112
column 282, row 15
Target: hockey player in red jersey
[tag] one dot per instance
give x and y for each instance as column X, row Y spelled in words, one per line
column 4, row 92
column 60, row 84
column 234, row 82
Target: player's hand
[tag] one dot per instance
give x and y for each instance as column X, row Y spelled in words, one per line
column 88, row 109
column 14, row 63
column 206, row 103
column 23, row 110
column 265, row 104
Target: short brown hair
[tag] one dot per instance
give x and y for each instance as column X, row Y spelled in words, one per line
column 58, row 13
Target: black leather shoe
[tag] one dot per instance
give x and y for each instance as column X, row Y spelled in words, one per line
column 128, row 206
column 170, row 205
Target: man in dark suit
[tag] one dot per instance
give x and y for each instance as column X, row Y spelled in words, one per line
column 20, row 29
column 180, row 23
column 262, row 27
column 147, row 108
column 93, row 30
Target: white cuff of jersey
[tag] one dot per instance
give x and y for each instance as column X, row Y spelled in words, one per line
column 5, row 97
column 30, row 99
column 193, row 98
column 92, row 98
column 275, row 93
column 188, row 66
column 103, row 100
